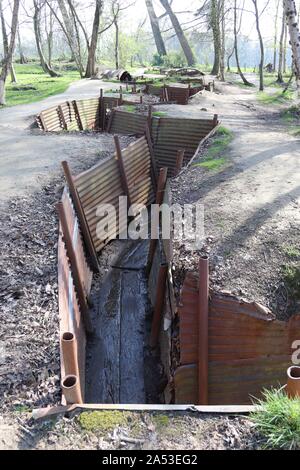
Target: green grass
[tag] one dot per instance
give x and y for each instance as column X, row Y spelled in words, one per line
column 32, row 75
column 214, row 158
column 159, row 114
column 278, row 420
column 291, row 251
column 129, row 108
column 102, row 420
column 276, row 97
column 291, row 277
column 291, row 114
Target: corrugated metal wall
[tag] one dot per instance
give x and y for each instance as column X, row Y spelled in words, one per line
column 172, row 134
column 127, row 123
column 102, row 184
column 247, row 351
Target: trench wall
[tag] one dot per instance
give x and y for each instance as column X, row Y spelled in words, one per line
column 248, row 350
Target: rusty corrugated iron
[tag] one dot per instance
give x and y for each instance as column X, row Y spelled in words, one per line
column 247, row 350
column 70, row 319
column 128, row 123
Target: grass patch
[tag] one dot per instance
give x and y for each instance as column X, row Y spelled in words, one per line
column 214, row 158
column 161, row 421
column 102, row 420
column 276, row 97
column 34, row 85
column 291, row 114
column 129, row 108
column 291, row 251
column 278, row 420
column 159, row 114
column 291, row 277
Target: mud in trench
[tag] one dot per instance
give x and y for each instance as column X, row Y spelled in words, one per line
column 120, row 366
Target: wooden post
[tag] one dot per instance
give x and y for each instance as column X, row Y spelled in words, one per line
column 203, row 331
column 74, row 102
column 43, row 122
column 159, row 304
column 82, row 300
column 161, row 185
column 215, row 120
column 101, row 111
column 153, row 161
column 124, row 180
column 179, row 161
column 110, row 120
column 92, row 255
column 121, row 95
column 62, row 117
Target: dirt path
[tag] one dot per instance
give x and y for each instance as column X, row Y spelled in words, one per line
column 29, row 158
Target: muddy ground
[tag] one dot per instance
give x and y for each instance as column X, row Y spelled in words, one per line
column 251, row 215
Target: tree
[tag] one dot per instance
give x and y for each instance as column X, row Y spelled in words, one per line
column 92, row 46
column 292, row 22
column 179, row 33
column 281, row 50
column 235, row 27
column 5, row 42
column 38, row 5
column 8, row 55
column 154, row 21
column 276, row 35
column 261, row 44
column 215, row 25
column 223, row 39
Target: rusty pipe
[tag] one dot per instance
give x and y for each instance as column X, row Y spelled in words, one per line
column 71, row 389
column 179, row 161
column 69, row 352
column 293, row 383
column 203, row 331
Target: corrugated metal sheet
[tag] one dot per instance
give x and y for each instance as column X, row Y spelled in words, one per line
column 70, row 319
column 179, row 95
column 102, row 184
column 247, row 350
column 172, row 134
column 89, row 112
column 128, row 123
column 137, row 163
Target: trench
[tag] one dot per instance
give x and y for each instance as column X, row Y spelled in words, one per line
column 120, row 365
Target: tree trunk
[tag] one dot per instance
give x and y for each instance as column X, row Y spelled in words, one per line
column 7, row 61
column 276, row 36
column 179, row 33
column 5, row 44
column 70, row 33
column 91, row 62
column 117, row 58
column 215, row 25
column 281, row 50
column 223, row 39
column 37, row 31
column 292, row 22
column 262, row 50
column 160, row 45
column 22, row 57
column 285, row 49
column 236, row 47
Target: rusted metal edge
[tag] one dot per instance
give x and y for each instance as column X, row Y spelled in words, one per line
column 77, row 115
column 203, row 302
column 44, row 413
column 159, row 304
column 125, row 183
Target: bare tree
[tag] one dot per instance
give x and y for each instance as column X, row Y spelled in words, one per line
column 235, row 27
column 223, row 39
column 38, row 5
column 281, row 49
column 261, row 45
column 23, row 59
column 179, row 33
column 154, row 20
column 276, row 35
column 92, row 46
column 215, row 25
column 8, row 55
column 5, row 43
column 292, row 22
